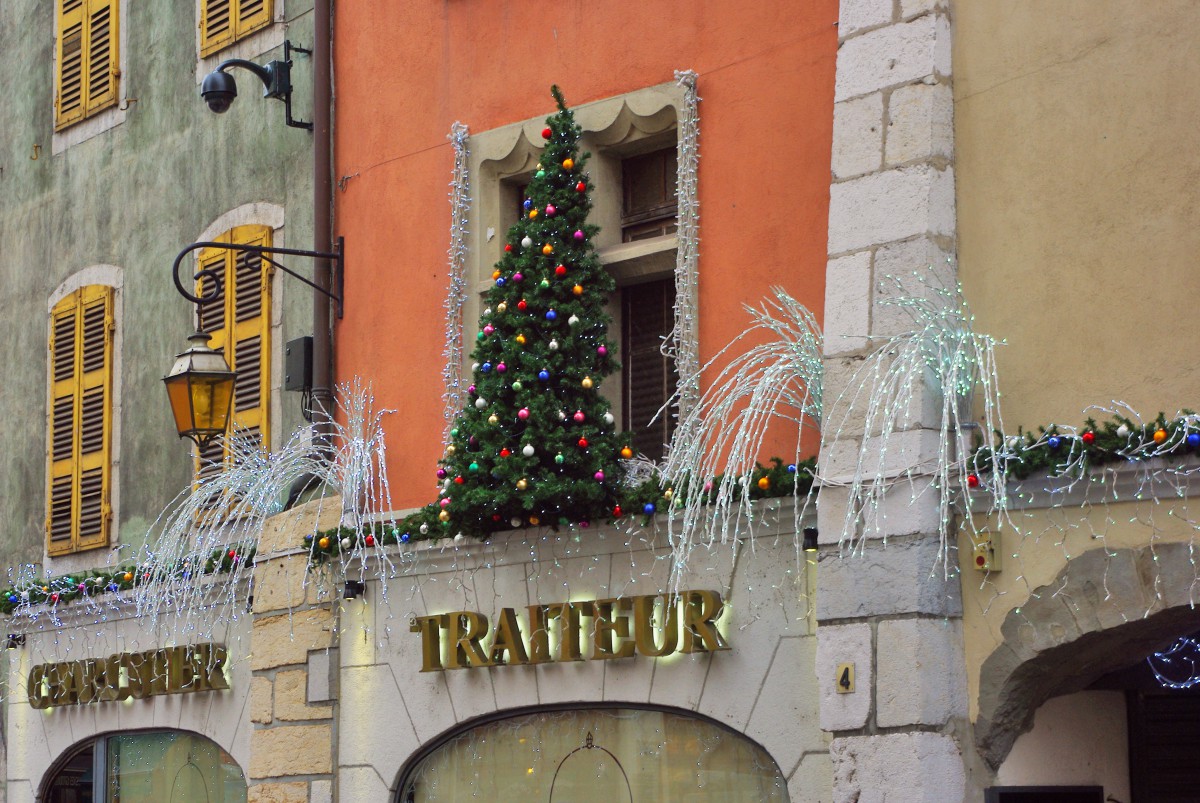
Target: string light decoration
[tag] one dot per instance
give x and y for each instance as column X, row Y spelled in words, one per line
column 938, row 360
column 682, row 345
column 460, row 207
column 778, row 379
column 1178, row 666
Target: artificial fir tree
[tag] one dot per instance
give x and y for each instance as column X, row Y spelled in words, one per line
column 535, row 443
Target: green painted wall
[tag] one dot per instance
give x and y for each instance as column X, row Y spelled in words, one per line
column 132, row 196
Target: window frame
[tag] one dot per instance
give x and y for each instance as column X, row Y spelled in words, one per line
column 237, row 31
column 76, row 302
column 502, row 159
column 83, row 12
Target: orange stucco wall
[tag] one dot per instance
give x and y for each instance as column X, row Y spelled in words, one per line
column 406, row 71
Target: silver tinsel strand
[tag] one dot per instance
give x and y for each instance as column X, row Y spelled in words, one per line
column 683, row 343
column 460, row 205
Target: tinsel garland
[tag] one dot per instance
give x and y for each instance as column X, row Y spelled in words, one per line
column 683, row 343
column 1062, row 450
column 642, row 501
column 98, row 582
column 460, row 205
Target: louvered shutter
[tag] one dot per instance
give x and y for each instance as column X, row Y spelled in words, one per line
column 69, row 79
column 223, row 22
column 649, row 378
column 238, row 321
column 101, row 55
column 216, row 25
column 80, row 431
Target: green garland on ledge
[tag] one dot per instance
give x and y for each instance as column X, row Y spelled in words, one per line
column 1119, row 440
column 645, row 500
column 111, row 581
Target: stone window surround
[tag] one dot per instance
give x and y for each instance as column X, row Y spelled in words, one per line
column 108, row 118
column 613, row 128
column 106, row 276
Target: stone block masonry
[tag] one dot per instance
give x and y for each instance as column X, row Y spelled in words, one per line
column 886, row 608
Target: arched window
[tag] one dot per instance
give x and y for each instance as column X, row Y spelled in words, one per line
column 619, row 755
column 146, row 767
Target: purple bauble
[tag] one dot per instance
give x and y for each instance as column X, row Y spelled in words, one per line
column 602, row 351
column 578, row 234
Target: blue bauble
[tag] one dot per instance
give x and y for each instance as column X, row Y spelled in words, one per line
column 551, row 315
column 12, row 598
column 528, row 204
column 487, row 366
column 1193, row 440
column 1054, row 442
column 544, row 375
column 792, row 468
column 648, row 508
column 405, row 538
column 500, row 282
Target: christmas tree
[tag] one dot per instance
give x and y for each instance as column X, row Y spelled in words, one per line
column 534, row 443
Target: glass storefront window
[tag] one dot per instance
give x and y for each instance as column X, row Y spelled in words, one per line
column 614, row 755
column 148, row 767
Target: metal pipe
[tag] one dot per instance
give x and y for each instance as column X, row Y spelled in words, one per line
column 322, row 379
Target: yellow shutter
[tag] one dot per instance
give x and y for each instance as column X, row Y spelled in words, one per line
column 69, row 100
column 87, row 66
column 80, row 431
column 238, row 320
column 223, row 22
column 101, row 55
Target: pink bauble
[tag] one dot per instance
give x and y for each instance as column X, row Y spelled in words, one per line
column 578, row 236
column 550, row 210
column 487, row 330
column 501, row 368
column 471, row 389
column 579, row 416
column 602, row 351
column 585, row 524
column 445, row 501
column 517, row 277
column 523, row 413
column 599, row 476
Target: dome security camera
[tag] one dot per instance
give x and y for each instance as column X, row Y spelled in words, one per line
column 219, row 90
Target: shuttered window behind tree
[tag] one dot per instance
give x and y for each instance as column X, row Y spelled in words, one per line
column 223, row 22
column 649, row 377
column 238, row 320
column 87, row 69
column 80, row 428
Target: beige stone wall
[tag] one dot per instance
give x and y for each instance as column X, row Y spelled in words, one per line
column 1077, row 207
column 764, row 687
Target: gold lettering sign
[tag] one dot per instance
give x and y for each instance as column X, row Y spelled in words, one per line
column 655, row 625
column 134, row 675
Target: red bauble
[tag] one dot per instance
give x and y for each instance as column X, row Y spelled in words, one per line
column 495, row 517
column 1089, row 438
column 370, row 541
column 561, row 270
column 546, row 132
column 233, row 553
column 458, row 480
column 583, row 443
column 505, row 452
column 972, row 481
column 521, row 305
column 617, row 512
column 580, row 187
column 508, row 247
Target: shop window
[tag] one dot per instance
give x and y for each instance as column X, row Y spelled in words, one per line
column 223, row 22
column 238, row 319
column 1044, row 794
column 610, row 754
column 86, row 68
column 147, row 767
column 79, row 438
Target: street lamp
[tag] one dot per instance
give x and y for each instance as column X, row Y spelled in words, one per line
column 200, row 387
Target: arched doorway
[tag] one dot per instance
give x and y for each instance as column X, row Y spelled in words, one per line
column 593, row 753
column 158, row 766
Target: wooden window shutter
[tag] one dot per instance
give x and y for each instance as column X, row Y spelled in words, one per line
column 101, row 55
column 87, row 68
column 238, row 320
column 223, row 22
column 80, row 431
column 649, row 378
column 69, row 100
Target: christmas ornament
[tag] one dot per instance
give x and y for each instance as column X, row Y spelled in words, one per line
column 1193, row 440
column 546, row 132
column 561, row 270
column 577, row 289
column 424, row 529
column 544, row 375
column 444, row 515
column 598, row 476
column 521, row 305
column 617, row 511
column 573, row 320
column 608, row 418
column 534, row 520
column 972, row 481
column 520, row 340
column 533, row 213
column 1088, row 438
column 487, row 366
column 370, row 540
column 501, row 368
column 345, row 542
column 495, row 275
column 514, row 521
column 578, row 416
column 764, row 483
column 587, row 383
column 502, row 307
column 516, row 385
column 1054, row 442
column 551, row 315
column 578, row 236
column 323, row 543
column 602, row 351
column 473, row 467
column 552, row 345
column 493, row 419
column 528, row 450
column 1160, row 435
column 550, row 210
column 626, row 452
column 568, row 163
column 505, row 452
column 583, row 443
column 528, row 204
column 518, row 277
column 441, row 473
column 526, row 242
column 508, row 248
column 480, row 403
column 523, row 413
column 1122, row 431
column 404, row 538
column 580, row 187
column 558, row 459
column 522, row 484
column 544, row 283
column 547, row 249
column 648, row 508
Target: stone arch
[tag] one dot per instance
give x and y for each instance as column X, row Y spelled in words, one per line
column 1101, row 608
